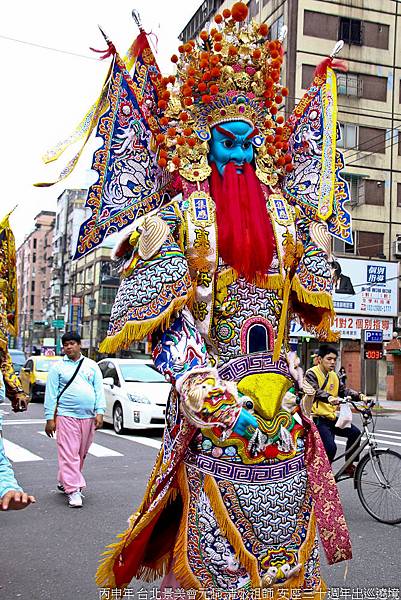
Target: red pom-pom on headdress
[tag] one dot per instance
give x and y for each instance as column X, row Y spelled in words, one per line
column 239, row 12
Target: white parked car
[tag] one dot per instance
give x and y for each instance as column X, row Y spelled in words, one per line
column 136, row 393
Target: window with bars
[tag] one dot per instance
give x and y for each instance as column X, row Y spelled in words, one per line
column 350, row 31
column 349, row 84
column 356, row 188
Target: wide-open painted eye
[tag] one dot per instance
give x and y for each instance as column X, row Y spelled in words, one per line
column 228, row 143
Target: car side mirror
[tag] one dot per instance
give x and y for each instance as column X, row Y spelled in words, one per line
column 109, row 381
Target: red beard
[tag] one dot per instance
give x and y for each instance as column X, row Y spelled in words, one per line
column 245, row 233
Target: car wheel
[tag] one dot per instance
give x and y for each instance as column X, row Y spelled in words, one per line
column 118, row 419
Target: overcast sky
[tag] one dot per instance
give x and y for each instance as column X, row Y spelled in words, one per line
column 46, row 92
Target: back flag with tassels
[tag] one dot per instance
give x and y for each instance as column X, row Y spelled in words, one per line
column 130, row 182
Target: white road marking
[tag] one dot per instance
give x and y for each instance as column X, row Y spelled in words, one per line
column 133, row 438
column 100, row 451
column 388, row 431
column 385, row 435
column 95, row 449
column 382, row 443
column 18, row 453
column 24, row 422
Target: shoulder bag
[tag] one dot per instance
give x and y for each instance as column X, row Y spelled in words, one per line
column 67, row 385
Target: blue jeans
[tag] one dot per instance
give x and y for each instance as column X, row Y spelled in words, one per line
column 328, row 430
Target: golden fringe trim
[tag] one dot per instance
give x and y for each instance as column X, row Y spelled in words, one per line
column 230, row 275
column 228, row 529
column 105, row 575
column 269, row 282
column 318, row 299
column 324, row 328
column 159, row 569
column 137, row 331
column 226, row 278
column 283, row 320
column 181, row 568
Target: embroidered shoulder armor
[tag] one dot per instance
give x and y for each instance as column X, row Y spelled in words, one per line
column 155, row 282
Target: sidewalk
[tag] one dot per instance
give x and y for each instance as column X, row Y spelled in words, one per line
column 388, row 405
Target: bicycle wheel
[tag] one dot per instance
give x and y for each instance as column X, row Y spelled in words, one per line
column 378, row 482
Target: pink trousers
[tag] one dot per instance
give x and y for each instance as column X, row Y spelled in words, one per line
column 74, row 437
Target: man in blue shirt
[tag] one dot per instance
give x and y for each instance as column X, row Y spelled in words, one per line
column 12, row 496
column 74, row 391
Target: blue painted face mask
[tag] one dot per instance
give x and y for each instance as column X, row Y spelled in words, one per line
column 231, row 142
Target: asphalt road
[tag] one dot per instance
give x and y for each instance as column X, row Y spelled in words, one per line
column 50, row 551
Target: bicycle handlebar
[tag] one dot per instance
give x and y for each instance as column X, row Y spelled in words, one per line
column 368, row 404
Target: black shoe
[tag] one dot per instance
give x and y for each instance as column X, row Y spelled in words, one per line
column 60, row 487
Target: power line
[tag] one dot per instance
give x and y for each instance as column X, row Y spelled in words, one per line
column 375, row 137
column 391, row 140
column 393, row 143
column 359, row 108
column 10, row 39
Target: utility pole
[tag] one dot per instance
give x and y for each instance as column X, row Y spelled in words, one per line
column 363, row 363
column 91, row 306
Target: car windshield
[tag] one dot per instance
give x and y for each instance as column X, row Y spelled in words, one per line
column 18, row 361
column 141, row 372
column 43, row 365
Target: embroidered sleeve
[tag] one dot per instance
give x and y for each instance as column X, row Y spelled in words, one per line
column 180, row 349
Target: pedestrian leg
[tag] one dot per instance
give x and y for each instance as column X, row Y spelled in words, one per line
column 87, row 436
column 68, row 435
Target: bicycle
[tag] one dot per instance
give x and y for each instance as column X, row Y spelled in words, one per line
column 377, row 477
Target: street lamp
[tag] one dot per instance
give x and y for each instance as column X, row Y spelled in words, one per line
column 91, row 306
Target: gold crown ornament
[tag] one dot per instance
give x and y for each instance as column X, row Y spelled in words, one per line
column 230, row 73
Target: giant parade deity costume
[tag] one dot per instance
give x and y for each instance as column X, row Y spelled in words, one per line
column 239, row 206
column 215, row 278
column 9, row 314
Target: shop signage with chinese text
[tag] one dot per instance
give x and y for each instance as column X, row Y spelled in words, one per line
column 351, row 327
column 367, row 287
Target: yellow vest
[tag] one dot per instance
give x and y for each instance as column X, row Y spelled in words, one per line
column 323, row 409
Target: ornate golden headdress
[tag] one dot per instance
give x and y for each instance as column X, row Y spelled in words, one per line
column 231, row 73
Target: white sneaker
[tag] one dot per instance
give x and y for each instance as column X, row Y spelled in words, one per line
column 75, row 499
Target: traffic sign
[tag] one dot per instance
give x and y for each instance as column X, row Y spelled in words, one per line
column 374, row 336
column 58, row 323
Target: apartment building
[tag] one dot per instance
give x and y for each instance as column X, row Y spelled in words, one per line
column 33, row 275
column 369, row 113
column 70, row 213
column 94, row 286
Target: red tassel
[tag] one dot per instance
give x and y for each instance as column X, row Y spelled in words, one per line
column 111, row 50
column 322, row 67
column 139, row 44
column 340, row 65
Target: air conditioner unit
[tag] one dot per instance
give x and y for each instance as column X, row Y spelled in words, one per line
column 397, row 247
